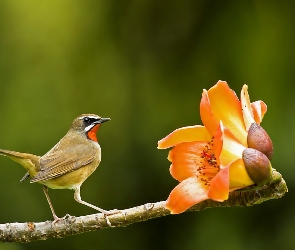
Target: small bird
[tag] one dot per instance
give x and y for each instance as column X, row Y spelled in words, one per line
column 69, row 163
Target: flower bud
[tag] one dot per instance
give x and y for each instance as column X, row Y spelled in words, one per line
column 257, row 166
column 259, row 140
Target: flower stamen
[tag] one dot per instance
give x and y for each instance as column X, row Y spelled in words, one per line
column 209, row 166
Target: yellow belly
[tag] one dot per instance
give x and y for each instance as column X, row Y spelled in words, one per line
column 70, row 180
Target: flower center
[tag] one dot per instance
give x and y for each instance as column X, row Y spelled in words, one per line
column 209, row 166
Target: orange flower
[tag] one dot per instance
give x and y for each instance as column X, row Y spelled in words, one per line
column 208, row 160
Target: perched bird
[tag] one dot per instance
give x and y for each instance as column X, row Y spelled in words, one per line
column 69, row 163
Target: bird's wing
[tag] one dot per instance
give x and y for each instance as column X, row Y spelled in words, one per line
column 59, row 162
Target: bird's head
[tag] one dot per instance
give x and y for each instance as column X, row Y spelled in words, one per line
column 88, row 124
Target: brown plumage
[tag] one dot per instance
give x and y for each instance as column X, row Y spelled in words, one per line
column 69, row 163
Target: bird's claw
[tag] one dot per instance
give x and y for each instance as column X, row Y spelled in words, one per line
column 57, row 219
column 110, row 212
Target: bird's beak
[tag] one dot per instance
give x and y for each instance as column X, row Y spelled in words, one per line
column 102, row 120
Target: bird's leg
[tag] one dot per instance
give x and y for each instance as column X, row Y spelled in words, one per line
column 77, row 197
column 45, row 189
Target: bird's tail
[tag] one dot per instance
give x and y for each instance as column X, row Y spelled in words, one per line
column 30, row 162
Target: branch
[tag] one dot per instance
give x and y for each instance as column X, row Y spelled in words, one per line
column 71, row 225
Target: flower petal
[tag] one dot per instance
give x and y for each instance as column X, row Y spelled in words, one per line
column 218, row 141
column 219, row 187
column 238, row 176
column 186, row 159
column 186, row 194
column 225, row 106
column 259, row 109
column 206, row 114
column 246, row 107
column 184, row 134
column 169, row 156
column 232, row 149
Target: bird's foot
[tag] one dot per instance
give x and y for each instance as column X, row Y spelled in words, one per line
column 111, row 212
column 106, row 213
column 57, row 219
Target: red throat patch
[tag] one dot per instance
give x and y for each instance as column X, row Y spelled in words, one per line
column 92, row 133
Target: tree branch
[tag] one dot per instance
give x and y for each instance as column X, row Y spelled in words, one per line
column 70, row 225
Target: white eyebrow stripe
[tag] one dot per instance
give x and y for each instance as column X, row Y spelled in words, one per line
column 90, row 116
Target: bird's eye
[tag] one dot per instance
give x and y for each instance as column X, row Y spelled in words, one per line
column 86, row 119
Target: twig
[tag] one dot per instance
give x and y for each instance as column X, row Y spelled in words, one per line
column 70, row 225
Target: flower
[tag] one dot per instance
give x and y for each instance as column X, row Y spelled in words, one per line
column 208, row 160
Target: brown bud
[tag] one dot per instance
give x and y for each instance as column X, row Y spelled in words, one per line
column 259, row 140
column 257, row 166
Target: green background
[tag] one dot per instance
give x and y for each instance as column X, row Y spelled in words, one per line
column 143, row 64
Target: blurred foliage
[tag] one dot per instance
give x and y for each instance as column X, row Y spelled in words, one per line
column 144, row 64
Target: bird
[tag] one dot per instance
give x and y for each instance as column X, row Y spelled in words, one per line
column 69, row 163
